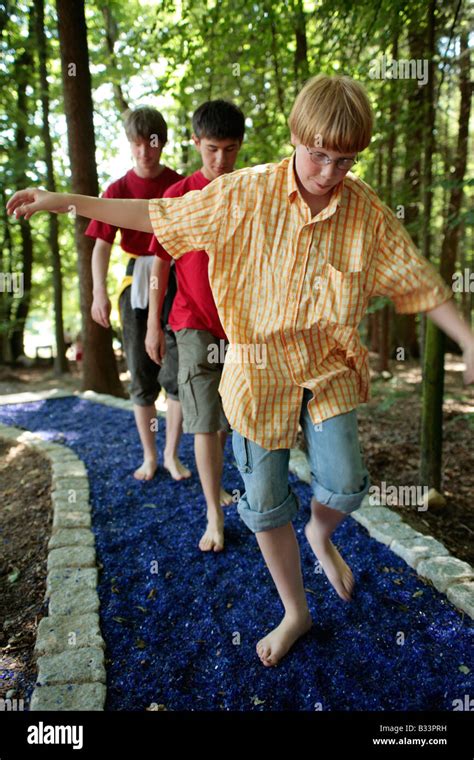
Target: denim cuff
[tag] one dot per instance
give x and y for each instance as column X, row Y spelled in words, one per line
column 271, row 518
column 343, row 502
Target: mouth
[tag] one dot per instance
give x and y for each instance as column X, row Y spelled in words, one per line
column 321, row 187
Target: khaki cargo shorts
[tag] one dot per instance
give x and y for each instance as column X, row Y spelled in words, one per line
column 198, row 382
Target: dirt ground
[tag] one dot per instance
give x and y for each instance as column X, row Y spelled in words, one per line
column 390, row 436
column 389, row 432
column 26, row 523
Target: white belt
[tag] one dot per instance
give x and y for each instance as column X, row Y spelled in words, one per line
column 141, row 281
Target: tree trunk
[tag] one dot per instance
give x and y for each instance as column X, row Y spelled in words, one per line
column 5, row 297
column 405, row 324
column 430, row 147
column 99, row 366
column 60, row 362
column 432, row 411
column 276, row 65
column 24, row 65
column 110, row 40
column 301, row 65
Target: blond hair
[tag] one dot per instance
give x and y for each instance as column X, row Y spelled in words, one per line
column 332, row 112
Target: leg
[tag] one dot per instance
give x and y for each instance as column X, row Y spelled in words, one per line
column 144, row 386
column 198, row 382
column 282, row 556
column 225, row 497
column 340, row 482
column 208, row 452
column 267, row 508
column 174, row 429
column 143, row 418
column 318, row 531
column 168, row 379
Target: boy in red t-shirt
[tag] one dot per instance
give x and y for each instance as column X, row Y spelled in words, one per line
column 146, row 131
column 218, row 128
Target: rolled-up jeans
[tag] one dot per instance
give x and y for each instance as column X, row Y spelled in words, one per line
column 339, row 479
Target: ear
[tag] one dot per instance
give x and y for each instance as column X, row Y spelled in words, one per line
column 294, row 140
column 196, row 141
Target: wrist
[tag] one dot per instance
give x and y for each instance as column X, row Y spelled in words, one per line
column 154, row 323
column 99, row 290
column 467, row 342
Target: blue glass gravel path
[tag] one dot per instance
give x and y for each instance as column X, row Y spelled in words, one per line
column 180, row 625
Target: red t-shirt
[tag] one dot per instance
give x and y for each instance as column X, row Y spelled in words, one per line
column 193, row 304
column 133, row 186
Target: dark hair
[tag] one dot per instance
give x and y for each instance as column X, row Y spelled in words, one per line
column 219, row 119
column 145, row 122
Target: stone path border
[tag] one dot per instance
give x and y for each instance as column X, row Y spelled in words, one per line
column 70, row 647
column 426, row 555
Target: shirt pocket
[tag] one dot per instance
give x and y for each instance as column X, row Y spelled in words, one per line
column 340, row 296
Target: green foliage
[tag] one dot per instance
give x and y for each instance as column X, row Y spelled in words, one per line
column 176, row 54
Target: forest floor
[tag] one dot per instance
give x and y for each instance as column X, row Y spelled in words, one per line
column 389, row 432
column 26, row 518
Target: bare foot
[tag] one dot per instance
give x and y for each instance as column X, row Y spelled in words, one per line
column 276, row 644
column 213, row 538
column 337, row 571
column 225, row 498
column 147, row 470
column 176, row 468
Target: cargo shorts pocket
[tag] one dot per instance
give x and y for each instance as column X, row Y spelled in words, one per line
column 242, row 452
column 186, row 393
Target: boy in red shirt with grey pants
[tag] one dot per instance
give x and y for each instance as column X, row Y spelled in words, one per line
column 218, row 131
column 146, row 131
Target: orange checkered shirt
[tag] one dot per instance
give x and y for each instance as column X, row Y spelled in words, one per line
column 291, row 289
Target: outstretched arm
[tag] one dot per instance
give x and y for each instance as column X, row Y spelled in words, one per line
column 447, row 317
column 129, row 214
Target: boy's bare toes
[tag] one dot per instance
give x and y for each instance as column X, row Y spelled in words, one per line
column 213, row 539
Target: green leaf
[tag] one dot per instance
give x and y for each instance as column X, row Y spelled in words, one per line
column 14, row 575
column 122, row 620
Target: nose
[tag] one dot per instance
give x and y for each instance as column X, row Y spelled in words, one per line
column 327, row 171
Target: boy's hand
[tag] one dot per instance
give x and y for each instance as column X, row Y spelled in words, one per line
column 468, row 358
column 101, row 308
column 155, row 343
column 28, row 202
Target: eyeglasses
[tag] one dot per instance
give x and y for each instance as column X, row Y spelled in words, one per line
column 321, row 159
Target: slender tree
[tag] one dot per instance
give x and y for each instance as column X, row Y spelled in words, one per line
column 60, row 361
column 100, row 369
column 23, row 78
column 433, row 385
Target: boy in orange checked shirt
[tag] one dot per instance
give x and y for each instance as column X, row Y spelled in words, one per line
column 296, row 250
